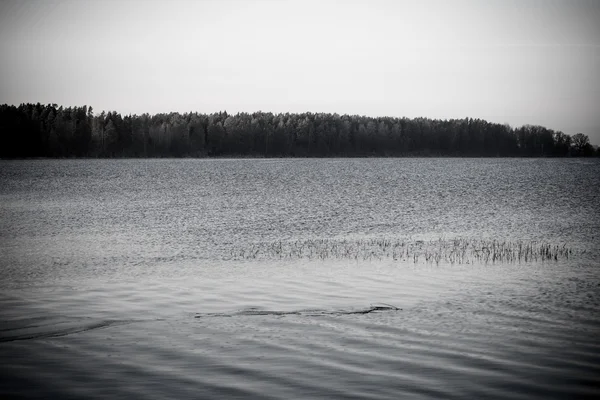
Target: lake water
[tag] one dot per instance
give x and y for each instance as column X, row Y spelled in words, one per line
column 302, row 278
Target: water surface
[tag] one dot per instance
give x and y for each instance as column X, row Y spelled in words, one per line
column 124, row 278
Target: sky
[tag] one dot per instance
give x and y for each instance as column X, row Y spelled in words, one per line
column 516, row 62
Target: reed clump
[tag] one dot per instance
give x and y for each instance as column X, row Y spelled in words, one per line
column 454, row 251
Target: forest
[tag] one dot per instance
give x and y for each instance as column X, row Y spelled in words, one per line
column 37, row 130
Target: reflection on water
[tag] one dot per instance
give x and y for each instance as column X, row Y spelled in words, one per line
column 117, row 279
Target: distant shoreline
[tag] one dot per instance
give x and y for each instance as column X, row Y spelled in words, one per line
column 51, row 131
column 233, row 157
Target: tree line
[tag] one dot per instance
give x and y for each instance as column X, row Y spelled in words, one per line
column 37, row 130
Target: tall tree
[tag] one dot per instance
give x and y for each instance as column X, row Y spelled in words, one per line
column 581, row 145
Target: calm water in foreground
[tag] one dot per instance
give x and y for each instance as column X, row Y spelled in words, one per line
column 258, row 278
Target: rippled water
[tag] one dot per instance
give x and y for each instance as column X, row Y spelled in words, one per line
column 197, row 279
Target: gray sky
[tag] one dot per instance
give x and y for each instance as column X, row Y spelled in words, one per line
column 506, row 61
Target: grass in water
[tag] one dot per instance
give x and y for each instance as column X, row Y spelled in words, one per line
column 456, row 251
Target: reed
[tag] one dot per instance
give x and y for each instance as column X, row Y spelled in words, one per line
column 455, row 251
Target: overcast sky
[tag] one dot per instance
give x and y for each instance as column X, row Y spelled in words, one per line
column 517, row 62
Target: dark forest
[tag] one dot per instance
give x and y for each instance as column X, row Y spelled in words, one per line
column 37, row 130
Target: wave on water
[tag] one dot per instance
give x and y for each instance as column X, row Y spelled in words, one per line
column 380, row 307
column 51, row 330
